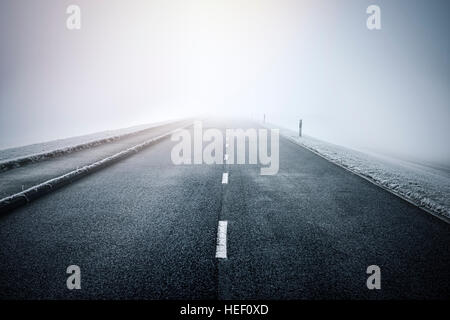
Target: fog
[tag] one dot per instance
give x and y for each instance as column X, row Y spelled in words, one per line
column 135, row 62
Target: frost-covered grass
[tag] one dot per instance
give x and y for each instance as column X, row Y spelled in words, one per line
column 427, row 187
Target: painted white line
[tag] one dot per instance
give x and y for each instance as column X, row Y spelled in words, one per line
column 226, row 157
column 221, row 248
column 225, row 178
column 227, row 145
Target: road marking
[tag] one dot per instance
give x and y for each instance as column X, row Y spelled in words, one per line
column 225, row 178
column 226, row 157
column 227, row 145
column 221, row 248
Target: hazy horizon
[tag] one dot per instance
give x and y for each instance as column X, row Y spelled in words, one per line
column 137, row 62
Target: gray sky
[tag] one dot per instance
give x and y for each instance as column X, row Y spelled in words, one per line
column 135, row 62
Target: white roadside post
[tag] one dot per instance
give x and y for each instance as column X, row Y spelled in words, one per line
column 300, row 128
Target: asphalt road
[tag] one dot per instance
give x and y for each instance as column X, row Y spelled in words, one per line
column 145, row 228
column 18, row 179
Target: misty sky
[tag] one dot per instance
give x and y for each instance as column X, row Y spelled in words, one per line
column 136, row 62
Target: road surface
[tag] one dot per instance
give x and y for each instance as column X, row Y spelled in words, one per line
column 24, row 177
column 145, row 228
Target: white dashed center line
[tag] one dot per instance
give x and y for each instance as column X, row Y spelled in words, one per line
column 225, row 178
column 221, row 249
